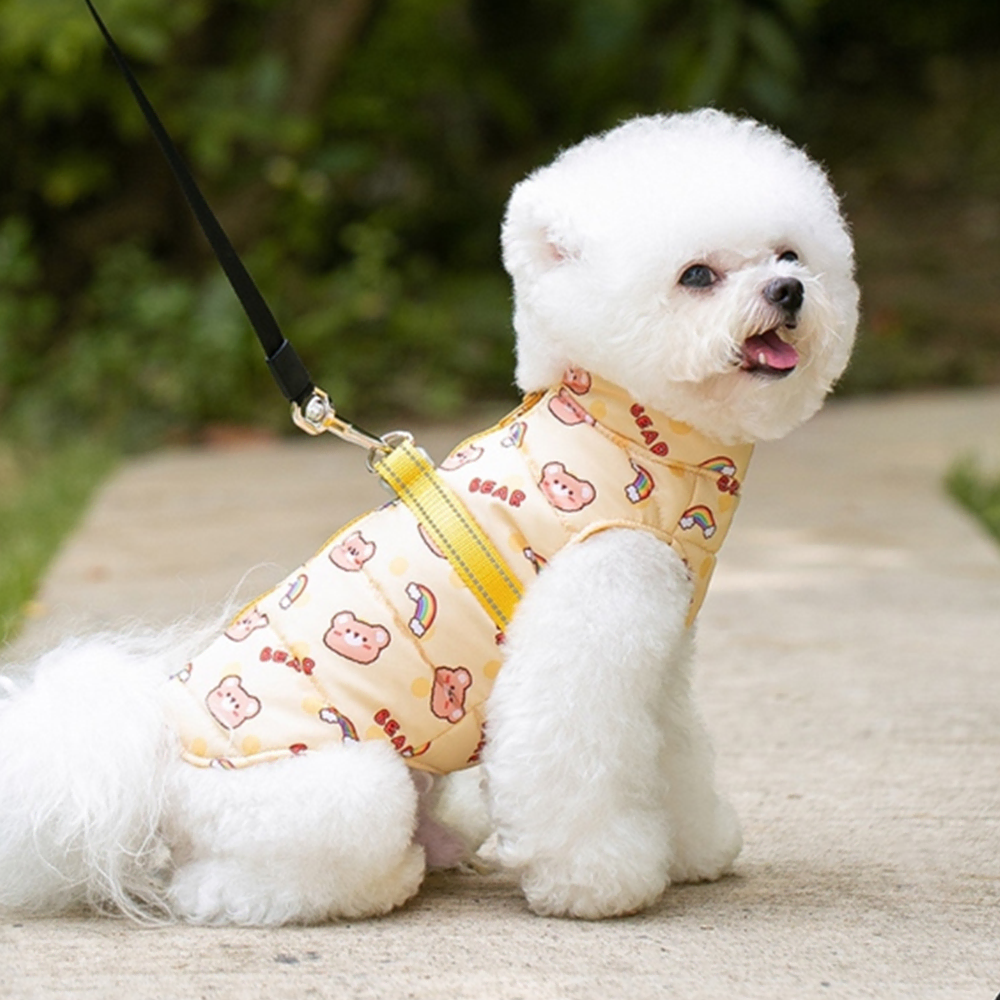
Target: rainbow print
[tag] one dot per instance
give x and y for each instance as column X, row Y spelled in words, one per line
column 515, row 435
column 425, row 611
column 294, row 591
column 699, row 517
column 640, row 487
column 539, row 562
column 332, row 716
column 723, row 465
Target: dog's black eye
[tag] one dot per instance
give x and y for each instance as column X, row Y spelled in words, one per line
column 699, row 276
column 789, row 255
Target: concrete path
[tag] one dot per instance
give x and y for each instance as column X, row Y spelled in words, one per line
column 849, row 670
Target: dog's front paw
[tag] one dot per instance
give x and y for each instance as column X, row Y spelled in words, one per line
column 592, row 878
column 704, row 852
column 555, row 890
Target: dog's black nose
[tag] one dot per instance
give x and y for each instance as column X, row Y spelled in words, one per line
column 786, row 293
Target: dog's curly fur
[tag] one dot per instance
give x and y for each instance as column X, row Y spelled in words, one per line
column 701, row 263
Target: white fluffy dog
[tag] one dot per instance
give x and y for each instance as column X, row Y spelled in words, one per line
column 698, row 265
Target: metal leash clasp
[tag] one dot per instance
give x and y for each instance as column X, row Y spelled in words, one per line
column 318, row 416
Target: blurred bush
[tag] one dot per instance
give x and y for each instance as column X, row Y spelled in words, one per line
column 903, row 103
column 978, row 491
column 359, row 153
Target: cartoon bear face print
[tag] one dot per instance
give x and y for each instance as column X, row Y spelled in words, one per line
column 567, row 410
column 430, row 543
column 230, row 703
column 352, row 553
column 448, row 693
column 354, row 639
column 462, row 456
column 563, row 490
column 577, row 380
column 248, row 622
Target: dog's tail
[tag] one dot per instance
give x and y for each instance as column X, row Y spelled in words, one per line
column 82, row 754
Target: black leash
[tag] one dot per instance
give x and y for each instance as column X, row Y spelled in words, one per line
column 403, row 467
column 286, row 366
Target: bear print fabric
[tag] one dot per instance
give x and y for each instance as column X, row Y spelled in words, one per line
column 377, row 638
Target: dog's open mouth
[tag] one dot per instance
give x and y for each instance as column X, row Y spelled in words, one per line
column 767, row 354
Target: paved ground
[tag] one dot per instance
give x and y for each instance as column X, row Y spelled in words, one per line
column 849, row 669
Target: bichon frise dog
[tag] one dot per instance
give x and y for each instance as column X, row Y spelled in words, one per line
column 683, row 287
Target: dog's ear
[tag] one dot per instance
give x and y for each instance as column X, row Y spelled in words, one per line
column 536, row 237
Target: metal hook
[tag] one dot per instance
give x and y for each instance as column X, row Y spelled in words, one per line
column 317, row 416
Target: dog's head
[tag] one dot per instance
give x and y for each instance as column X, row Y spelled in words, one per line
column 699, row 261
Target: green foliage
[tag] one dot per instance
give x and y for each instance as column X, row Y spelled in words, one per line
column 26, row 311
column 359, row 153
column 978, row 492
column 908, row 115
column 41, row 496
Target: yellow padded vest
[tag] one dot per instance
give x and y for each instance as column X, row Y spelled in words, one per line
column 376, row 637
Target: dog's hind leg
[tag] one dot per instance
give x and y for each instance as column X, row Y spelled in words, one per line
column 576, row 746
column 304, row 840
column 83, row 750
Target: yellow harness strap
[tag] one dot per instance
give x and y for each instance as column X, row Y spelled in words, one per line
column 408, row 471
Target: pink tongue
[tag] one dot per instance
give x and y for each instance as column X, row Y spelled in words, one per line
column 770, row 350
